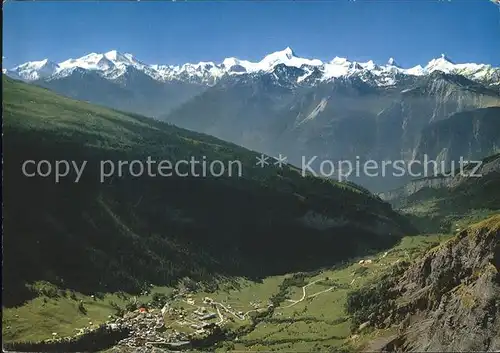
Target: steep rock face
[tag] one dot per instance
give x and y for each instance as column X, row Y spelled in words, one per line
column 457, row 286
column 447, row 301
column 469, row 133
column 431, row 100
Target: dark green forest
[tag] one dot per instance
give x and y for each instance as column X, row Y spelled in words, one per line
column 127, row 233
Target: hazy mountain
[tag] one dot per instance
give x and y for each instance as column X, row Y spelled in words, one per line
column 154, row 89
column 345, row 119
column 472, row 134
column 336, row 110
column 132, row 91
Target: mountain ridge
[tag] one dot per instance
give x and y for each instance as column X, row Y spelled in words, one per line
column 113, row 64
column 337, row 120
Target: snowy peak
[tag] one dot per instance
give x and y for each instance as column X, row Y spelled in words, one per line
column 289, row 52
column 416, row 71
column 445, row 58
column 110, row 65
column 339, row 61
column 282, row 56
column 113, row 64
column 442, row 63
column 338, row 67
column 287, row 57
column 477, row 72
column 29, row 64
column 92, row 61
column 122, row 58
column 37, row 65
column 114, row 55
column 392, row 62
column 102, row 62
column 369, row 65
column 35, row 70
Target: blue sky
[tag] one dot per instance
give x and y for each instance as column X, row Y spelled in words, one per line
column 413, row 32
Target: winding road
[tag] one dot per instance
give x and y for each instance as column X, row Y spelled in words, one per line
column 294, row 302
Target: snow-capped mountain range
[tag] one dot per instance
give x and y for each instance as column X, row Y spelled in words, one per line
column 113, row 64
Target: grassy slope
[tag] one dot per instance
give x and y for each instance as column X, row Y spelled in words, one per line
column 321, row 322
column 130, row 232
column 37, row 319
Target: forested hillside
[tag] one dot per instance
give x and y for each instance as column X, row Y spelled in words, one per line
column 129, row 232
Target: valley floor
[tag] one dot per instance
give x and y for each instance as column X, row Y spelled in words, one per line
column 292, row 312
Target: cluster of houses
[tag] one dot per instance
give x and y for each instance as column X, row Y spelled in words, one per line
column 203, row 314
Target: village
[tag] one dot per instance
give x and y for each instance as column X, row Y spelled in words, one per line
column 183, row 322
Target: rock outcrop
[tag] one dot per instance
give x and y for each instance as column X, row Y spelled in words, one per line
column 447, row 301
column 453, row 294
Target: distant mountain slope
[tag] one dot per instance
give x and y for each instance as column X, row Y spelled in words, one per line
column 128, row 232
column 346, row 119
column 473, row 133
column 442, row 203
column 132, row 91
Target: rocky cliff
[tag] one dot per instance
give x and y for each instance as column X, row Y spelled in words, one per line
column 469, row 134
column 447, row 301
